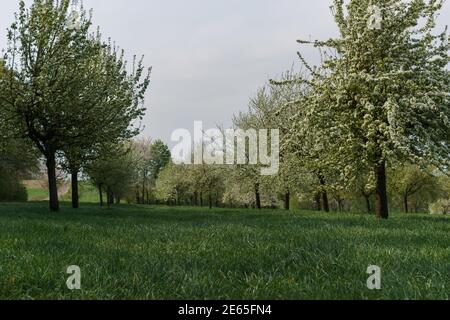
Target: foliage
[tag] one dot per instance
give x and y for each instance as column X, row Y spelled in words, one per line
column 380, row 95
column 67, row 91
column 151, row 158
column 440, row 207
column 412, row 185
column 115, row 174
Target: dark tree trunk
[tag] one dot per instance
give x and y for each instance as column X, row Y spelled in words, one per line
column 75, row 194
column 143, row 187
column 326, row 205
column 257, row 196
column 368, row 205
column 210, row 199
column 201, row 199
column 318, row 202
column 382, row 209
column 340, row 205
column 405, row 203
column 217, row 200
column 109, row 197
column 287, row 200
column 100, row 193
column 195, row 199
column 52, row 183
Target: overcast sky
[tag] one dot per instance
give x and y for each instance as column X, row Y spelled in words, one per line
column 208, row 56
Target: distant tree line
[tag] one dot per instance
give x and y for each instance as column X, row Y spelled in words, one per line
column 369, row 124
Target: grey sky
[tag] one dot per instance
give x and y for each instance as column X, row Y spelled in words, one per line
column 208, row 56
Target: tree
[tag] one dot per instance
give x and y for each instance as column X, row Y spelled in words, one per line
column 159, row 158
column 141, row 149
column 17, row 161
column 44, row 56
column 111, row 101
column 18, row 158
column 205, row 181
column 410, row 181
column 381, row 94
column 70, row 92
column 153, row 157
column 173, row 183
column 114, row 173
column 442, row 206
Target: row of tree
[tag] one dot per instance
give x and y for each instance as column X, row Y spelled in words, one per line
column 66, row 92
column 373, row 116
column 370, row 123
column 301, row 182
column 131, row 173
column 411, row 189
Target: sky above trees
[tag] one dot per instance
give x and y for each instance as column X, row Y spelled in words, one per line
column 208, row 56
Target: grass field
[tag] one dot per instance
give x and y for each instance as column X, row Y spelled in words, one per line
column 133, row 252
column 87, row 193
column 37, row 192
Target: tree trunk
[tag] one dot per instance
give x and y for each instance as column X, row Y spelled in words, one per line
column 143, row 187
column 382, row 209
column 405, row 203
column 75, row 195
column 217, row 200
column 287, row 201
column 369, row 206
column 257, row 196
column 52, row 183
column 195, row 199
column 341, row 205
column 326, row 205
column 318, row 202
column 137, row 195
column 100, row 193
column 210, row 201
column 201, row 199
column 109, row 197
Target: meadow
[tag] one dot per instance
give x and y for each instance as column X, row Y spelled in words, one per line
column 149, row 252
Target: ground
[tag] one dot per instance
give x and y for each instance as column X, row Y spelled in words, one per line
column 143, row 252
column 37, row 191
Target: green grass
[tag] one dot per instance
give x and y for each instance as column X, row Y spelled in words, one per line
column 86, row 191
column 134, row 252
column 37, row 194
